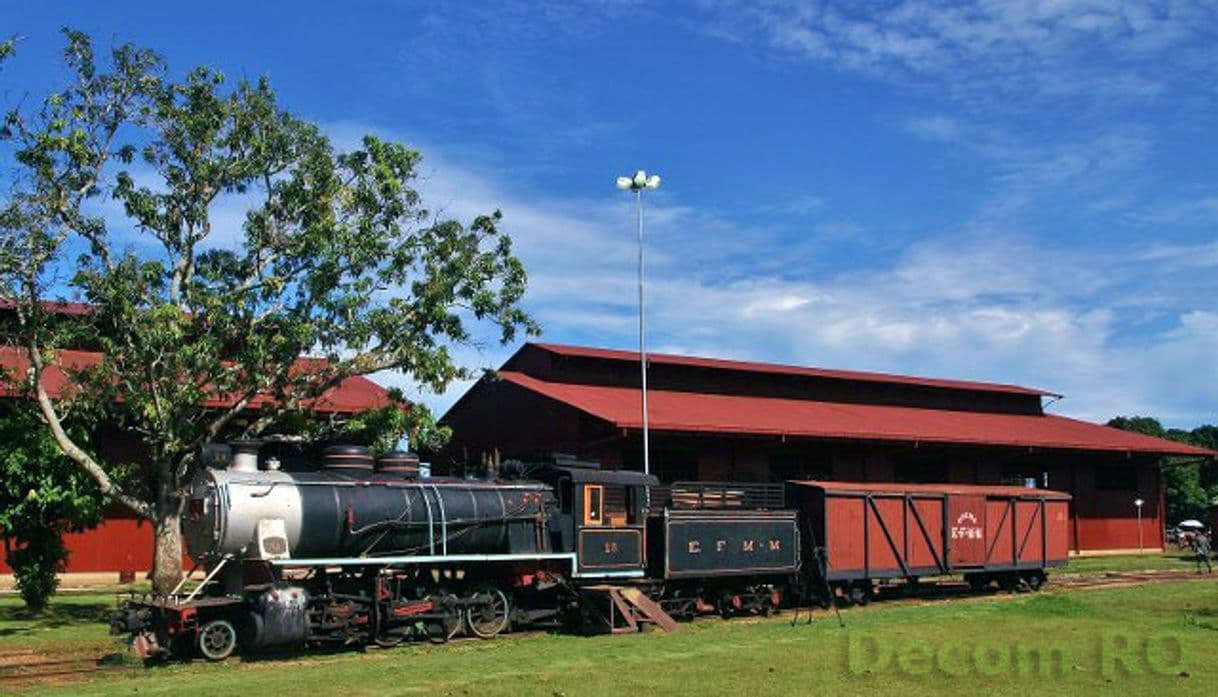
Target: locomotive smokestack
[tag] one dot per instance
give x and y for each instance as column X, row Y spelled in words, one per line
column 245, row 456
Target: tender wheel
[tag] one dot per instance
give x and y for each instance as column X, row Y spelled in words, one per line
column 217, row 640
column 490, row 617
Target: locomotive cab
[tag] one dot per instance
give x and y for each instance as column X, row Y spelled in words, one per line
column 601, row 516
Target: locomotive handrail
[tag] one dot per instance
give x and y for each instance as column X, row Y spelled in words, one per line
column 718, row 496
column 207, row 579
column 431, row 528
column 424, row 559
column 443, row 520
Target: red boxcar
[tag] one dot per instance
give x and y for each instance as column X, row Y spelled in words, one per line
column 856, row 532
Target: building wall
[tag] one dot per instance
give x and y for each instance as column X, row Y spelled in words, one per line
column 119, row 544
column 1102, row 519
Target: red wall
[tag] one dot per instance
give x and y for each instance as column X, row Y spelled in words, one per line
column 118, row 544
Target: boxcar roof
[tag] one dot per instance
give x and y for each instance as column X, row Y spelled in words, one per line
column 999, row 490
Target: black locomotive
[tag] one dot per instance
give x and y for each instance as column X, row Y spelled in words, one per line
column 363, row 551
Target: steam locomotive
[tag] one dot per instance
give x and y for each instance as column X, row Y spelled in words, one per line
column 362, row 550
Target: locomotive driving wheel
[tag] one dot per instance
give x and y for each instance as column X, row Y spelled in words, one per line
column 217, row 640
column 448, row 625
column 488, row 618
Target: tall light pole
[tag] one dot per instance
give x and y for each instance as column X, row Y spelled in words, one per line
column 637, row 183
column 1138, row 503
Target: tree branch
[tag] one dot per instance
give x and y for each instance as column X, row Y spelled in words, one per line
column 69, row 447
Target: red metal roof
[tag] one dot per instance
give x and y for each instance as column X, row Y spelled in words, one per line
column 777, row 369
column 974, row 489
column 58, row 307
column 718, row 413
column 353, row 395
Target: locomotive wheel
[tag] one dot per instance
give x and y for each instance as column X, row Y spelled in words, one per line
column 388, row 641
column 490, row 618
column 217, row 640
column 440, row 631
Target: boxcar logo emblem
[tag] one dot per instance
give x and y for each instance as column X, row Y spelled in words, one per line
column 966, row 527
column 611, row 548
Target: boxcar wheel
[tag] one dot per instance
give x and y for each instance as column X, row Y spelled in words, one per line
column 217, row 640
column 860, row 594
column 1035, row 580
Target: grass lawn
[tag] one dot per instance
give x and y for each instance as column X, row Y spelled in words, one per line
column 1160, row 638
column 1130, row 562
column 72, row 619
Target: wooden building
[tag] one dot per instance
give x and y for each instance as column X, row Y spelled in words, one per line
column 715, row 420
column 123, row 541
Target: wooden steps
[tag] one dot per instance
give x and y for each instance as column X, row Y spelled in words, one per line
column 625, row 609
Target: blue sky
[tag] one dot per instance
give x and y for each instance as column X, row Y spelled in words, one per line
column 1022, row 192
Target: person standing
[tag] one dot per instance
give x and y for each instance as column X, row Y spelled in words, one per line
column 1202, row 550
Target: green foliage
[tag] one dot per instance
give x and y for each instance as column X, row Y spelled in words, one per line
column 1189, row 484
column 382, row 428
column 42, row 496
column 336, row 258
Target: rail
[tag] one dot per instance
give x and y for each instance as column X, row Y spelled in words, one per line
column 717, row 496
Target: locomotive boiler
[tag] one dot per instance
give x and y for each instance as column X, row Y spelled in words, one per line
column 355, row 507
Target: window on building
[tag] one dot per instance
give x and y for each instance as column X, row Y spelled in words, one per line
column 1116, row 478
column 1031, row 476
column 920, row 472
column 788, row 466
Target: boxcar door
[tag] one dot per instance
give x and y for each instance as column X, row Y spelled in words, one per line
column 966, row 530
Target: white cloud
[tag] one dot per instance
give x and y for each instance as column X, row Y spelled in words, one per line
column 938, row 127
column 985, row 306
column 992, row 47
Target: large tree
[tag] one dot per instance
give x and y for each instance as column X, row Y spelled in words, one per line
column 119, row 176
column 1190, row 484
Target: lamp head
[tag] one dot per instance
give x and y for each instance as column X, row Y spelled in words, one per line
column 640, row 179
column 653, row 182
column 624, row 183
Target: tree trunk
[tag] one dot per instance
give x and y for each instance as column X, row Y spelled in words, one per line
column 167, row 551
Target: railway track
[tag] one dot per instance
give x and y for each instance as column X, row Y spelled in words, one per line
column 28, row 667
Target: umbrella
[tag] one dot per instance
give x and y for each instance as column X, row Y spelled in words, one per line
column 1191, row 523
